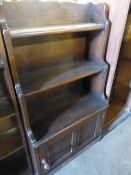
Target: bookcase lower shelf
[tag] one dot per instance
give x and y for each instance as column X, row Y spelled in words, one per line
column 61, row 117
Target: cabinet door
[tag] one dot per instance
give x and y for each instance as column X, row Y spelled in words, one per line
column 89, row 130
column 56, row 151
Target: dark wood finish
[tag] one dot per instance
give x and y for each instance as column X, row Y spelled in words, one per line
column 6, row 108
column 57, row 75
column 114, row 110
column 118, row 17
column 57, row 29
column 15, row 163
column 123, row 78
column 11, row 130
column 10, row 142
column 57, row 61
column 90, row 130
column 120, row 96
column 55, row 14
column 54, row 119
column 59, row 148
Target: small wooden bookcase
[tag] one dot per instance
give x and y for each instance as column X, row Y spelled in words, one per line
column 56, row 52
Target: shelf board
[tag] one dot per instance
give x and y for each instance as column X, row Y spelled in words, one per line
column 55, row 29
column 7, row 116
column 10, row 142
column 12, row 152
column 64, row 112
column 8, row 122
column 6, row 109
column 60, row 74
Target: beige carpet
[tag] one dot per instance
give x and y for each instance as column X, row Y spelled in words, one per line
column 111, row 156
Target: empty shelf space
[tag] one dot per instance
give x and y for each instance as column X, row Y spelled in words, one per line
column 6, row 109
column 60, row 74
column 62, row 112
column 15, row 163
column 55, row 29
column 10, row 142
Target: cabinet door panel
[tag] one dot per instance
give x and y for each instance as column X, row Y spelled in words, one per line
column 56, row 151
column 60, row 148
column 89, row 130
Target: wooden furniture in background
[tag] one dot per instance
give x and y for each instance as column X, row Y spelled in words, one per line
column 119, row 110
column 13, row 158
column 120, row 97
column 57, row 61
column 118, row 17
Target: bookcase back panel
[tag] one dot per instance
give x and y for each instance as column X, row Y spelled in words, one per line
column 36, row 13
column 44, row 108
column 34, row 54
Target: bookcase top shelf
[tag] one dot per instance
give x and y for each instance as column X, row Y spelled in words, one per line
column 55, row 29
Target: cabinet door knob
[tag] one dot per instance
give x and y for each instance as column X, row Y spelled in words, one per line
column 45, row 164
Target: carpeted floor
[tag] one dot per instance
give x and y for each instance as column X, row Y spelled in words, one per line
column 111, row 156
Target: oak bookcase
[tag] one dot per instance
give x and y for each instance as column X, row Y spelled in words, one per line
column 56, row 52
